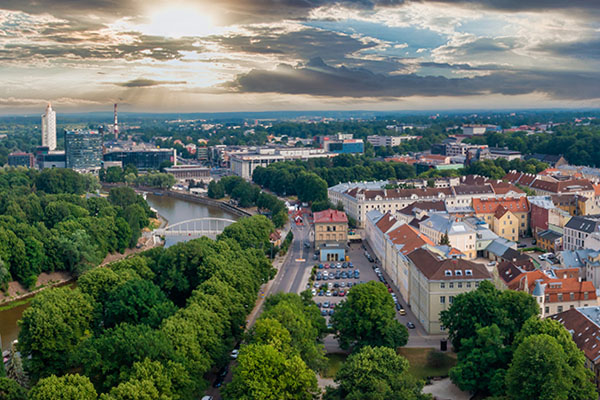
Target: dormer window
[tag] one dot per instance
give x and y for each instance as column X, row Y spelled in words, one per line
column 458, row 272
column 448, row 272
column 468, row 272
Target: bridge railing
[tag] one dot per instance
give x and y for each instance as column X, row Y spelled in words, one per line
column 195, row 227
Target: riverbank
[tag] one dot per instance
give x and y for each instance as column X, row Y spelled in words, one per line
column 193, row 198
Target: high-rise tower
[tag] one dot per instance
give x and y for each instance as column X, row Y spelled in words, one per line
column 49, row 128
column 116, row 125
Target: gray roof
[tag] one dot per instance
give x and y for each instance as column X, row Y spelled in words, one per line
column 574, row 258
column 442, row 223
column 497, row 248
column 541, row 201
column 583, row 224
column 538, row 290
column 342, row 187
column 550, row 235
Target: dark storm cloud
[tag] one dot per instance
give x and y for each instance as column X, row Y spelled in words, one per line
column 152, row 47
column 320, row 79
column 142, row 82
column 583, row 49
column 332, row 47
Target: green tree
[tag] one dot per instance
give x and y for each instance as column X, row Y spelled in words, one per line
column 108, row 357
column 484, row 307
column 11, row 390
column 267, row 374
column 252, row 232
column 376, row 373
column 139, row 302
column 538, row 370
column 51, row 328
column 68, row 387
column 5, row 276
column 579, row 377
column 368, row 318
column 216, row 190
column 482, row 362
column 445, row 240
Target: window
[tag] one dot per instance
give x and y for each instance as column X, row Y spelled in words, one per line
column 468, row 272
column 572, row 296
column 451, row 285
column 460, row 285
column 547, row 297
column 458, row 272
column 442, row 328
column 448, row 272
column 585, row 295
column 443, row 299
column 476, row 284
column 442, row 285
column 469, row 284
column 559, row 309
column 450, row 299
column 560, row 297
column 547, row 310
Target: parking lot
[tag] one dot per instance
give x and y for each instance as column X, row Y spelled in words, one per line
column 340, row 285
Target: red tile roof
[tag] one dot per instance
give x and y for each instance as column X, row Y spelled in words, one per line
column 490, row 206
column 386, row 222
column 555, row 286
column 330, row 216
column 435, row 268
column 409, row 237
column 585, row 333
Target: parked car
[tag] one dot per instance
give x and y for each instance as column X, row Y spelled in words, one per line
column 343, row 275
column 401, row 311
column 324, row 312
column 521, row 246
column 326, row 304
column 307, row 244
column 314, row 292
column 321, row 292
column 491, row 263
column 235, row 353
column 319, row 304
column 320, row 265
column 338, row 265
column 331, row 312
column 342, row 292
column 410, row 325
column 328, row 293
column 356, row 274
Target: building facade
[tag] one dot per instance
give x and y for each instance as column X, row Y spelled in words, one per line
column 18, row 159
column 460, row 235
column 49, row 128
column 83, row 150
column 143, row 159
column 330, row 234
column 435, row 282
column 577, row 230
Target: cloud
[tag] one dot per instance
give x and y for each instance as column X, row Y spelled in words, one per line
column 142, row 82
column 585, row 49
column 523, row 5
column 319, row 79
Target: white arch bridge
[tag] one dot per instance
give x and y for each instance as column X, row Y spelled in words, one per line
column 195, row 227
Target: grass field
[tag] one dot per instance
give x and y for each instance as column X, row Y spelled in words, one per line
column 417, row 357
column 334, row 362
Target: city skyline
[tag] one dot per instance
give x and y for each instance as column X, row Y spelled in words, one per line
column 264, row 55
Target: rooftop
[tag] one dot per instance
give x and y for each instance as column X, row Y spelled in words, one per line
column 330, row 216
column 436, row 268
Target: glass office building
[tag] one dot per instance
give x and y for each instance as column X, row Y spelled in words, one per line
column 143, row 159
column 83, row 150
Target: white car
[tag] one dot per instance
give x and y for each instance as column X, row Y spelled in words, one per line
column 314, row 292
column 328, row 293
column 235, row 353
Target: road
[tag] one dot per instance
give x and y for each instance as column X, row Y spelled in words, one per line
column 292, row 276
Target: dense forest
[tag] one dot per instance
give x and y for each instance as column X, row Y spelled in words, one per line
column 129, row 175
column 48, row 224
column 249, row 195
column 147, row 327
column 580, row 145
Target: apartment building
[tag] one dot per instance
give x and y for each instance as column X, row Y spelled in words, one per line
column 331, row 234
column 360, row 198
column 461, row 236
column 388, row 141
column 435, row 282
column 584, row 325
column 578, row 229
column 507, row 217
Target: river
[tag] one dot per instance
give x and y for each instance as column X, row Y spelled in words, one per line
column 171, row 209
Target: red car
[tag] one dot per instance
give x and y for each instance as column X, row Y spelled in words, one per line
column 342, row 293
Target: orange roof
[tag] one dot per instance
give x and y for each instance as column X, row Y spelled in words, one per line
column 330, row 216
column 386, row 222
column 500, row 211
column 409, row 237
column 555, row 286
column 597, row 190
column 549, row 171
column 490, row 206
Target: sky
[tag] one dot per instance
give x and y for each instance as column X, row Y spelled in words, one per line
column 257, row 55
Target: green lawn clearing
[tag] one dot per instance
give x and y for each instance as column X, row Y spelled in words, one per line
column 334, row 362
column 419, row 365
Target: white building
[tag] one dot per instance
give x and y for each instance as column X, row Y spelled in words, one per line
column 389, row 141
column 244, row 164
column 471, row 130
column 49, row 128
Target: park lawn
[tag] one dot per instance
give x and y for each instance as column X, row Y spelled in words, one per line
column 334, row 362
column 417, row 357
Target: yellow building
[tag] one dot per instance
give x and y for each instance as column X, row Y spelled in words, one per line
column 517, row 218
column 435, row 282
column 331, row 234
